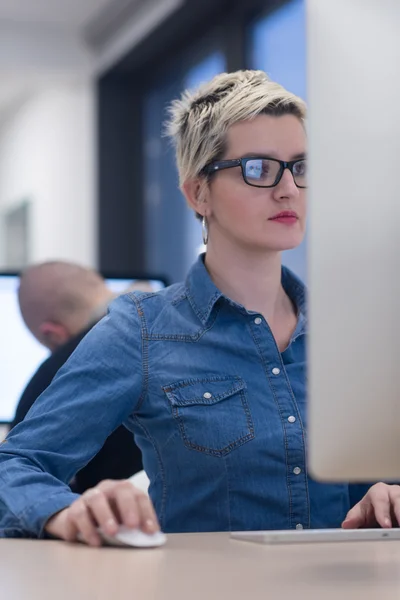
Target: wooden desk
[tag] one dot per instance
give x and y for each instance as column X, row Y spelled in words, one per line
column 200, row 567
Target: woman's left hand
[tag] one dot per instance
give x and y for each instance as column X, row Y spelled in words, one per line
column 380, row 507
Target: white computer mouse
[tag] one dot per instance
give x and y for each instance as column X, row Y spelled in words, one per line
column 134, row 538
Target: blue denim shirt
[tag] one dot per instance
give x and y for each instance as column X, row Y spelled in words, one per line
column 217, row 410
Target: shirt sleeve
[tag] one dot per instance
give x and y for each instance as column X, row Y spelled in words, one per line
column 92, row 394
column 36, row 386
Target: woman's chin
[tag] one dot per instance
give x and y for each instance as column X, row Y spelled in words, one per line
column 283, row 245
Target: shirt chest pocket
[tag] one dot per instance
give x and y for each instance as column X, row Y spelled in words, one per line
column 212, row 413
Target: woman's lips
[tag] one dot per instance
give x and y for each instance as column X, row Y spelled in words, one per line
column 286, row 218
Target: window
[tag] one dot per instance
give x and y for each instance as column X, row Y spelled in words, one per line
column 277, row 45
column 173, row 234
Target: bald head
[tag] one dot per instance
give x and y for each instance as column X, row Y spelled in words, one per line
column 59, row 299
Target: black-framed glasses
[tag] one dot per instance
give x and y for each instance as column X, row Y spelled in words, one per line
column 263, row 171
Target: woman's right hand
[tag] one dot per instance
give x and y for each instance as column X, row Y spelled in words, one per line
column 108, row 505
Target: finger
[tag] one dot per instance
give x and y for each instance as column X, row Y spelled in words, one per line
column 355, row 518
column 125, row 498
column 82, row 520
column 380, row 501
column 148, row 518
column 70, row 529
column 101, row 511
column 394, row 493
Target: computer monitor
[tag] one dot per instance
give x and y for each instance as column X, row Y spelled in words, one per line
column 354, row 239
column 20, row 353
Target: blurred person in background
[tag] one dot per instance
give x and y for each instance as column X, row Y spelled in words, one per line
column 60, row 302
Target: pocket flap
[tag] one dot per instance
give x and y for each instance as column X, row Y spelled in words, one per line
column 203, row 391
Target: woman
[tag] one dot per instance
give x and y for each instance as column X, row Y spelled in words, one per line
column 209, row 374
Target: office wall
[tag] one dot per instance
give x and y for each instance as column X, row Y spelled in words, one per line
column 47, row 157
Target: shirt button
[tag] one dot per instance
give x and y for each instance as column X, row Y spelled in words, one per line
column 292, row 419
column 299, row 526
column 297, row 470
column 258, row 321
column 207, row 395
column 276, row 371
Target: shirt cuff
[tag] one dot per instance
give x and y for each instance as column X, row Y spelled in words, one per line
column 36, row 517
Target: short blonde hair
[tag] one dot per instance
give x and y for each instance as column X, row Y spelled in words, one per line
column 199, row 120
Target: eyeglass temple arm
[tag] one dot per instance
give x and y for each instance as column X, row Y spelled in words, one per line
column 222, row 164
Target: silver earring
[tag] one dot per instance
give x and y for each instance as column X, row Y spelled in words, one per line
column 204, row 231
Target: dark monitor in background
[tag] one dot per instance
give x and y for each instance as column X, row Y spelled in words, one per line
column 20, row 353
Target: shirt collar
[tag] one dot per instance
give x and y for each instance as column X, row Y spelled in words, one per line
column 296, row 290
column 203, row 294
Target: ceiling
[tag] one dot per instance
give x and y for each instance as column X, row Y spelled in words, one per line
column 41, row 37
column 23, row 22
column 71, row 13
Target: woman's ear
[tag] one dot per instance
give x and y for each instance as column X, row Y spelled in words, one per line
column 195, row 192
